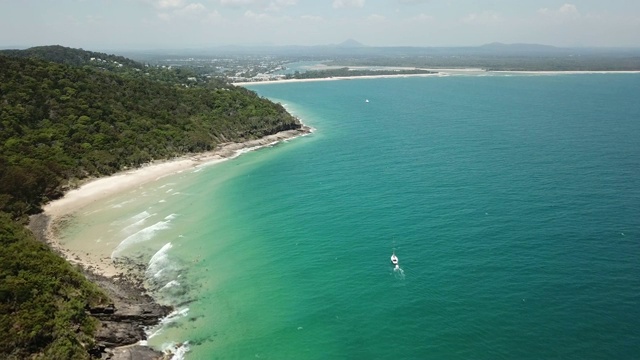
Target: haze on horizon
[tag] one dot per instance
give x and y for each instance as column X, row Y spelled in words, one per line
column 179, row 24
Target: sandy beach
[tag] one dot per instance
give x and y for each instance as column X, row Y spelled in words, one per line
column 335, row 78
column 437, row 72
column 58, row 211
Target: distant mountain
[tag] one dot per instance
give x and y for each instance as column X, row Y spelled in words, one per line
column 350, row 43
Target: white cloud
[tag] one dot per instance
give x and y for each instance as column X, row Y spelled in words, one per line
column 261, row 5
column 339, row 4
column 285, row 2
column 191, row 9
column 311, row 18
column 412, row 1
column 212, row 16
column 566, row 11
column 169, row 4
column 376, row 17
column 252, row 15
column 279, row 4
column 241, row 2
column 483, row 18
column 422, row 17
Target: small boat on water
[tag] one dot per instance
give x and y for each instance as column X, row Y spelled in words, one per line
column 394, row 259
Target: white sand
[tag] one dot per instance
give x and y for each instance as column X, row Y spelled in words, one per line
column 102, row 188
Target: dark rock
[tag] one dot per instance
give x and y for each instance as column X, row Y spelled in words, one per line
column 109, row 309
column 136, row 352
column 97, row 350
column 124, row 321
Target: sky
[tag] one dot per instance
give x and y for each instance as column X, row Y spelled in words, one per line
column 180, row 24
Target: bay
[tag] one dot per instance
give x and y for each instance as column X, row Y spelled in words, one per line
column 512, row 202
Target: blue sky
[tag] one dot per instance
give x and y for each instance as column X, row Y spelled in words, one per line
column 149, row 24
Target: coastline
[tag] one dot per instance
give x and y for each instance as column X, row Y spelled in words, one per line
column 97, row 189
column 440, row 72
column 123, row 322
column 334, row 78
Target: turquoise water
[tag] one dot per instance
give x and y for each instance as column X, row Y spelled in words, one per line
column 512, row 202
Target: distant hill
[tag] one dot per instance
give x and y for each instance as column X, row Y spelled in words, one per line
column 534, row 49
column 520, row 47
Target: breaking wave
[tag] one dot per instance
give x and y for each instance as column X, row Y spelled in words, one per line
column 143, row 235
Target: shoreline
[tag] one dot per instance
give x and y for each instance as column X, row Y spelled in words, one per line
column 442, row 72
column 334, row 78
column 60, row 210
column 133, row 309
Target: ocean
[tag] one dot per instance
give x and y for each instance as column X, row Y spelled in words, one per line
column 511, row 201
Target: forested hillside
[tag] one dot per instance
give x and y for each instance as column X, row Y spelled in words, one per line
column 63, row 121
column 59, row 122
column 74, row 57
column 115, row 64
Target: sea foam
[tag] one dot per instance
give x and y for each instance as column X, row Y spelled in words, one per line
column 138, row 221
column 143, row 235
column 172, row 317
column 158, row 261
column 162, row 276
column 178, row 351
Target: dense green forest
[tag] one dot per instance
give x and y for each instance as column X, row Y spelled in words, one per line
column 42, row 300
column 63, row 119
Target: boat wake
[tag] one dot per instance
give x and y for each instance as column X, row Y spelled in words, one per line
column 398, row 273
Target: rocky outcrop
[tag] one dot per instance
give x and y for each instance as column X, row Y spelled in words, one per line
column 133, row 352
column 123, row 323
column 126, row 327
